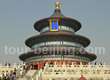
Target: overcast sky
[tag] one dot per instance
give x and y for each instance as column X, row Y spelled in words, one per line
column 17, row 18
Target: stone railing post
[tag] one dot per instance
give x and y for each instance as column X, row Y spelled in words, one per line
column 37, row 77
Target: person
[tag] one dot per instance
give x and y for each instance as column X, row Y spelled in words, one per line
column 14, row 72
column 21, row 70
column 11, row 75
column 9, row 65
column 23, row 65
column 6, row 64
column 0, row 78
column 7, row 77
column 26, row 67
column 3, row 77
column 31, row 67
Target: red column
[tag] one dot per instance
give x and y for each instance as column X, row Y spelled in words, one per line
column 62, row 61
column 33, row 65
column 42, row 64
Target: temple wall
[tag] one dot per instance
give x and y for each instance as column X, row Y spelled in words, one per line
column 41, row 63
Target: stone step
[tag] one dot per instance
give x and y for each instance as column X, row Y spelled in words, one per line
column 28, row 76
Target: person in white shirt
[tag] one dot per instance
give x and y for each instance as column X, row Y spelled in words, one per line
column 23, row 65
column 21, row 70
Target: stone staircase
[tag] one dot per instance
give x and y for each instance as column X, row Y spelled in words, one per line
column 18, row 75
column 29, row 75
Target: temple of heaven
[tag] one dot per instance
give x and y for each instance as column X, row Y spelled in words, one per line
column 57, row 42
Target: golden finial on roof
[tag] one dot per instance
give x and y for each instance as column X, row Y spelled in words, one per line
column 57, row 5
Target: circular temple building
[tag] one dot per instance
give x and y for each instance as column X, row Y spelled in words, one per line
column 57, row 42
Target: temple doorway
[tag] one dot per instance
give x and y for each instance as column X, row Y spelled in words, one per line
column 35, row 67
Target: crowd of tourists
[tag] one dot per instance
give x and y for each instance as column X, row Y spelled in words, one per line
column 9, row 76
column 26, row 68
column 12, row 74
